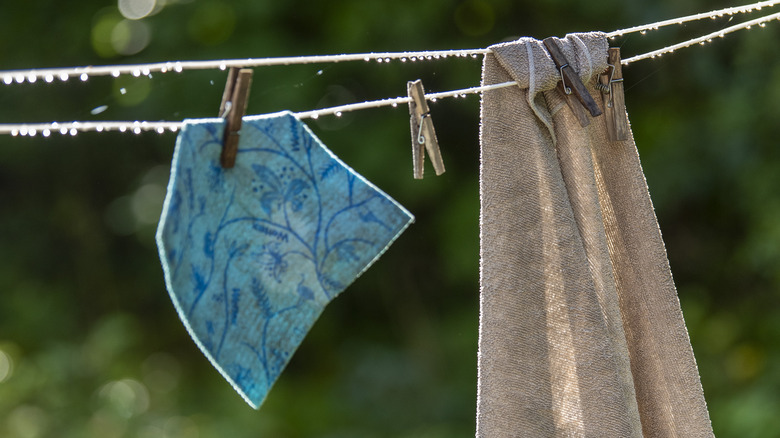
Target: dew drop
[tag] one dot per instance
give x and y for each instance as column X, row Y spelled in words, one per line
column 160, row 130
column 315, row 116
column 164, row 70
column 136, row 72
column 762, row 24
column 99, row 128
column 14, row 132
column 433, row 100
column 436, row 56
column 474, row 56
column 379, row 60
column 463, row 95
column 115, row 73
column 23, row 131
column 413, row 58
column 387, row 60
column 714, row 17
column 222, row 66
column 366, row 59
column 63, row 130
column 177, row 67
column 403, row 59
column 32, row 78
column 137, row 130
column 123, row 128
column 46, row 133
column 394, row 104
column 429, row 57
column 73, row 132
column 7, row 79
column 49, row 78
column 338, row 114
column 174, row 128
column 19, row 79
column 643, row 32
column 145, row 71
column 84, row 77
column 63, row 77
column 32, row 132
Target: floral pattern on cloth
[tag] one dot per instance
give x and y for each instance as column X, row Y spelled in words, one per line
column 252, row 254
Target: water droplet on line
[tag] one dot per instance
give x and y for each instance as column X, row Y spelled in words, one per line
column 315, row 116
column 84, row 77
column 643, row 32
column 63, row 130
column 160, row 130
column 63, row 77
column 338, row 114
column 222, row 66
column 433, row 99
column 394, row 104
column 475, row 56
column 19, row 79
column 99, row 128
column 145, row 71
column 413, row 58
column 23, row 131
column 115, row 73
column 366, row 59
column 46, row 132
column 174, row 128
column 137, row 130
column 49, row 78
column 429, row 57
column 32, row 132
column 379, row 60
column 136, row 72
column 403, row 59
column 99, row 109
column 177, row 67
column 73, row 132
column 32, row 78
column 7, row 79
column 123, row 128
column 14, row 132
column 436, row 56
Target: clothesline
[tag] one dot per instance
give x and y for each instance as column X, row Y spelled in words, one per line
column 72, row 128
column 50, row 74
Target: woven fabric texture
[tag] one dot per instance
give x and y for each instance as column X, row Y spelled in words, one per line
column 581, row 332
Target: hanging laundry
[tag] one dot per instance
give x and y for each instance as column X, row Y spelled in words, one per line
column 581, row 332
column 252, row 254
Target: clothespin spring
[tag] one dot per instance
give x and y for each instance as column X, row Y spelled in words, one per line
column 420, row 136
column 566, row 89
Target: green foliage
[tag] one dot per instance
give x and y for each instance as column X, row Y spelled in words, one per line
column 90, row 344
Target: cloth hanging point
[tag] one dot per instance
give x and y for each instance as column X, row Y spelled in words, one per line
column 232, row 109
column 574, row 90
column 423, row 134
column 611, row 86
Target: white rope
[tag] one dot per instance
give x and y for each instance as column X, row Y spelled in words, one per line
column 73, row 128
column 712, row 14
column 84, row 73
column 704, row 39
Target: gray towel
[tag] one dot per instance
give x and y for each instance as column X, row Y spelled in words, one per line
column 581, row 332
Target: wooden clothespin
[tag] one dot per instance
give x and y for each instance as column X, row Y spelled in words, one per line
column 423, row 135
column 571, row 85
column 232, row 109
column 614, row 100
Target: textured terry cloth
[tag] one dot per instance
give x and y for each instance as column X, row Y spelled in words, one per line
column 581, row 333
column 252, row 254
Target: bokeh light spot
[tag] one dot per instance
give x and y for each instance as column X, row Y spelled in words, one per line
column 129, row 37
column 6, row 366
column 136, row 9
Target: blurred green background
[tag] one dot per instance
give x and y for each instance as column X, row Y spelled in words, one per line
column 90, row 345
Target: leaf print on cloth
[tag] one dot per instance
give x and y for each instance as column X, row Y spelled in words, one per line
column 265, row 245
